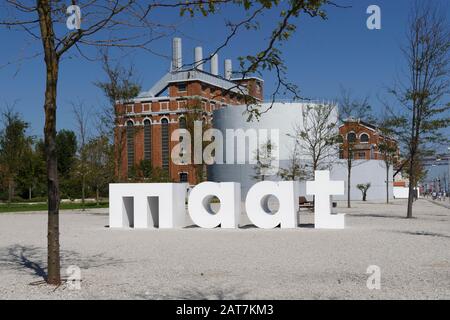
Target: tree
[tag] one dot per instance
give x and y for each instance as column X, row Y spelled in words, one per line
column 145, row 172
column 423, row 114
column 120, row 87
column 125, row 24
column 66, row 150
column 295, row 170
column 363, row 187
column 99, row 163
column 351, row 109
column 264, row 160
column 317, row 135
column 13, row 146
column 82, row 117
column 32, row 170
column 388, row 149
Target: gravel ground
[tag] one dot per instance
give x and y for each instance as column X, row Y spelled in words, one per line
column 249, row 263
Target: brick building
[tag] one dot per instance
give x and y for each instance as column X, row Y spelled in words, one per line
column 148, row 121
column 364, row 138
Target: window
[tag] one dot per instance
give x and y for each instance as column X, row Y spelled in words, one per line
column 182, row 87
column 130, row 146
column 181, row 104
column 258, row 87
column 130, row 108
column 146, row 107
column 147, row 140
column 164, row 105
column 364, row 138
column 361, row 155
column 165, row 143
column 351, row 137
column 183, row 177
column 182, row 123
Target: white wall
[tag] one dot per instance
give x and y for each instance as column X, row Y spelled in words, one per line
column 364, row 171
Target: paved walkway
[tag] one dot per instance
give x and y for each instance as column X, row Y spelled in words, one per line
column 248, row 263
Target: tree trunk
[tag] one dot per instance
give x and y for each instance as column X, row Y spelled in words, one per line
column 349, row 174
column 97, row 195
column 29, row 193
column 387, row 183
column 52, row 68
column 411, row 188
column 10, row 190
column 83, row 188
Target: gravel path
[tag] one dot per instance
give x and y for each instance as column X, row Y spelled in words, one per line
column 249, row 263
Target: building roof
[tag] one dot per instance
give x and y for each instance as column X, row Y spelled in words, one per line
column 192, row 75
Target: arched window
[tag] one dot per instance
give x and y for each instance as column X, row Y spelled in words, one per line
column 165, row 143
column 351, row 137
column 364, row 138
column 147, row 140
column 130, row 146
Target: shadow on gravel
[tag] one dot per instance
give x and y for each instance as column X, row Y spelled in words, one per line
column 198, row 294
column 424, row 233
column 367, row 215
column 34, row 259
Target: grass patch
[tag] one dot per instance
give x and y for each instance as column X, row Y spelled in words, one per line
column 24, row 207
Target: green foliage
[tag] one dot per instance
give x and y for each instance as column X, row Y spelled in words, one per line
column 363, row 187
column 66, row 148
column 145, row 172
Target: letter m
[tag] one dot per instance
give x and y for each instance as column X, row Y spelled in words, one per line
column 147, row 205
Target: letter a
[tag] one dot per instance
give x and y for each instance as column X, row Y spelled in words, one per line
column 374, row 20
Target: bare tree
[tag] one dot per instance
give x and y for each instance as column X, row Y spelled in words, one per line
column 423, row 113
column 295, row 169
column 264, row 156
column 317, row 136
column 388, row 149
column 351, row 109
column 82, row 117
column 120, row 87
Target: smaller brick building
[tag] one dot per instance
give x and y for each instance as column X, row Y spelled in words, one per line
column 362, row 139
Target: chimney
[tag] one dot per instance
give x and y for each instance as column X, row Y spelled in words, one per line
column 198, row 53
column 177, row 57
column 215, row 64
column 228, row 69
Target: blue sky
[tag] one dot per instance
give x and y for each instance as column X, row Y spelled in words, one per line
column 321, row 57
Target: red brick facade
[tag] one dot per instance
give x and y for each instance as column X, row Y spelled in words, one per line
column 365, row 140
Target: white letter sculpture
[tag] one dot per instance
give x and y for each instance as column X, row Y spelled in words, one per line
column 229, row 194
column 257, row 207
column 147, row 205
column 322, row 188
